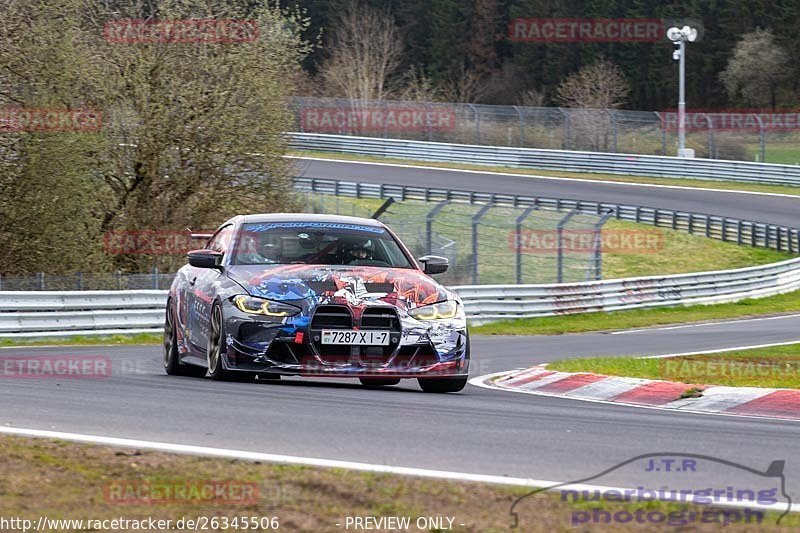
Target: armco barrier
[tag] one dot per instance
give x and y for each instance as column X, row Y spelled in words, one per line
column 598, row 162
column 743, row 232
column 48, row 314
column 71, row 313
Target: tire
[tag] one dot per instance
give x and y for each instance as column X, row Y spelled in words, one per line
column 216, row 334
column 445, row 385
column 374, row 383
column 442, row 385
column 171, row 360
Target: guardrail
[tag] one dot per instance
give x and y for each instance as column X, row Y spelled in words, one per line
column 48, row 314
column 496, row 302
column 598, row 162
column 71, row 313
column 743, row 232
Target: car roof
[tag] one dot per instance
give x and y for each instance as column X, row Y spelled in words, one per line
column 307, row 217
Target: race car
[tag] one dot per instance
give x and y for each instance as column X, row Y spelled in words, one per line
column 317, row 296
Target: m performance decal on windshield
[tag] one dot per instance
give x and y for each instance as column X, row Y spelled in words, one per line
column 316, row 225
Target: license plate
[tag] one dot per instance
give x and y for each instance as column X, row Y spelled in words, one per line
column 355, row 337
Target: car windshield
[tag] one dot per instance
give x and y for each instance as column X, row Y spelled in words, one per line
column 318, row 243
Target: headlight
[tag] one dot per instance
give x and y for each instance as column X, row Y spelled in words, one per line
column 448, row 309
column 260, row 306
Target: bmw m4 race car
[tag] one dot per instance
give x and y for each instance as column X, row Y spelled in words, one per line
column 314, row 295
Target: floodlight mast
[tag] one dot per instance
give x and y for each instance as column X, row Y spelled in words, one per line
column 680, row 36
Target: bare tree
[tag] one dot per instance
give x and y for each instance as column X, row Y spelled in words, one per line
column 365, row 51
column 756, row 69
column 532, row 98
column 417, row 86
column 468, row 86
column 601, row 85
column 592, row 92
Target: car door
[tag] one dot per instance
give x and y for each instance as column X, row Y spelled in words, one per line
column 202, row 285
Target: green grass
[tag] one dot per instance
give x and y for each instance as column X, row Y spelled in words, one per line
column 772, row 367
column 682, row 253
column 641, row 318
column 786, row 155
column 62, row 480
column 104, row 340
column 678, row 251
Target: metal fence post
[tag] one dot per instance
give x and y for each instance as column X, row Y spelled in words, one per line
column 663, row 126
column 597, row 250
column 475, row 220
column 560, row 240
column 566, row 128
column 79, row 280
column 428, row 121
column 477, row 123
column 155, row 278
column 429, row 224
column 40, row 280
column 712, row 151
column 762, row 139
column 615, row 132
column 517, row 246
column 521, row 126
column 300, row 107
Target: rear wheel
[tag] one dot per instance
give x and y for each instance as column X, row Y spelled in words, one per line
column 172, row 360
column 378, row 382
column 216, row 369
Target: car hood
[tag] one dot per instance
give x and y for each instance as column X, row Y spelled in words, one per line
column 352, row 285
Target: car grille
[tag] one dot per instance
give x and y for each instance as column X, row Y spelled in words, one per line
column 380, row 319
column 332, row 317
column 339, row 317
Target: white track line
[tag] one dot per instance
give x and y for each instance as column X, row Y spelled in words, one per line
column 702, row 324
column 553, row 178
column 186, row 449
column 721, row 350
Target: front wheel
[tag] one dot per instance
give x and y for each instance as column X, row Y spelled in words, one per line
column 442, row 385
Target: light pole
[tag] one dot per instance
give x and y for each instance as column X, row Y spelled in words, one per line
column 679, row 36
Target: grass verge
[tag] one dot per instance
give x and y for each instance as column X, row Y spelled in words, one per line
column 642, row 318
column 675, row 252
column 62, row 480
column 772, row 367
column 104, row 340
column 706, row 184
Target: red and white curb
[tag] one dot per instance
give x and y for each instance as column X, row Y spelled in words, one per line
column 740, row 401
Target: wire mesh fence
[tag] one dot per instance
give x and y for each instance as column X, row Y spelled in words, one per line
column 80, row 281
column 488, row 244
column 600, row 130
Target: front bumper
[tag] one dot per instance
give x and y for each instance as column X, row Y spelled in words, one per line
column 419, row 349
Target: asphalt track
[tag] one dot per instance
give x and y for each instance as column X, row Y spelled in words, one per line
column 773, row 209
column 476, row 431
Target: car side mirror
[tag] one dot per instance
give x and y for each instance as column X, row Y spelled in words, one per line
column 205, row 259
column 434, row 264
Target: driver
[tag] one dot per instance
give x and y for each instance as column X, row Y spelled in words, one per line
column 361, row 251
column 249, row 251
column 268, row 253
